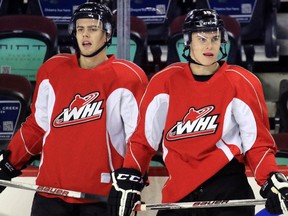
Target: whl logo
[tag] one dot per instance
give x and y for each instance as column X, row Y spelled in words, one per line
column 80, row 110
column 195, row 123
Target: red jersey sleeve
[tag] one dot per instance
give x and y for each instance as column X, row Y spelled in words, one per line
column 27, row 141
column 146, row 140
column 261, row 155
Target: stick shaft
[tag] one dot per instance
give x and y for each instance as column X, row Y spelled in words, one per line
column 200, row 204
column 142, row 207
column 53, row 190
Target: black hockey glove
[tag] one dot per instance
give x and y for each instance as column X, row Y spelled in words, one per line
column 7, row 171
column 275, row 190
column 127, row 185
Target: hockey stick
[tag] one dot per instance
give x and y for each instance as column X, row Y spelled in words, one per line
column 200, row 204
column 53, row 190
column 142, row 207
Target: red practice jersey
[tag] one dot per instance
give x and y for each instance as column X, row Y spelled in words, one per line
column 80, row 122
column 204, row 125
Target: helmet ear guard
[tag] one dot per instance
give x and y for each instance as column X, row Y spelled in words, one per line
column 108, row 28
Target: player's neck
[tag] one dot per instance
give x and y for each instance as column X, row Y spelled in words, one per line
column 204, row 70
column 92, row 62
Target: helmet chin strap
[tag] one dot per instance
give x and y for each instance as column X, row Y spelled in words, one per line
column 96, row 52
column 189, row 59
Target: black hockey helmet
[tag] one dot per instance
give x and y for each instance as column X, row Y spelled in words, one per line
column 97, row 11
column 203, row 20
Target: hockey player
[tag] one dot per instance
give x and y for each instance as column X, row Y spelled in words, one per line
column 84, row 109
column 213, row 120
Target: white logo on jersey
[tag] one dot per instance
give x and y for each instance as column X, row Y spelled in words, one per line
column 195, row 123
column 81, row 109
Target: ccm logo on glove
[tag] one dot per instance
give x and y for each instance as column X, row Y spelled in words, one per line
column 134, row 178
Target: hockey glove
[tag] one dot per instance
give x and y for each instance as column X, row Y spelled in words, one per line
column 7, row 171
column 127, row 185
column 275, row 190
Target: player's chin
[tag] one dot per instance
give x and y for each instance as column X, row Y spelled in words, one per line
column 208, row 61
column 87, row 49
column 86, row 52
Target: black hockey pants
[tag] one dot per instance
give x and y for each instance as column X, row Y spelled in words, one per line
column 43, row 206
column 228, row 184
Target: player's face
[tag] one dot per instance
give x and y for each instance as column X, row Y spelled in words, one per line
column 89, row 34
column 205, row 47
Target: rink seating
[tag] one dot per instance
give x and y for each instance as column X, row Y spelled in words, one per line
column 15, row 98
column 26, row 42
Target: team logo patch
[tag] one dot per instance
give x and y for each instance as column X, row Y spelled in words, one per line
column 195, row 123
column 80, row 110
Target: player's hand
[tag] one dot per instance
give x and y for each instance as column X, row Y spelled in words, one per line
column 7, row 171
column 125, row 192
column 275, row 190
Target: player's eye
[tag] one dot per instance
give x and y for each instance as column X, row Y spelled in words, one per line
column 216, row 39
column 79, row 29
column 202, row 39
